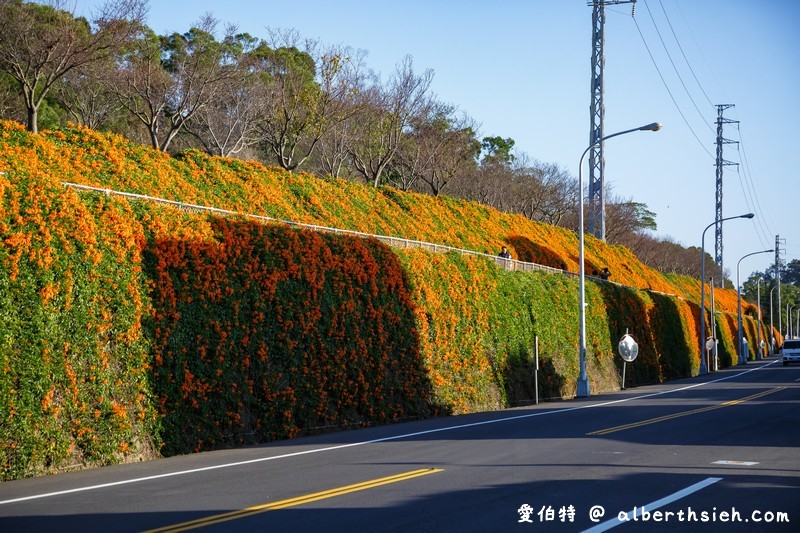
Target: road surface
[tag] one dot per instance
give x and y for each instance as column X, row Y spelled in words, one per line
column 712, row 453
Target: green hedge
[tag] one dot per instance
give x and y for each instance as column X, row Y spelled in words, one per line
column 132, row 330
column 264, row 332
column 74, row 387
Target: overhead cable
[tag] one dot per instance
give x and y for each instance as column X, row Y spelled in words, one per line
column 675, row 68
column 680, row 112
column 763, row 214
column 684, row 54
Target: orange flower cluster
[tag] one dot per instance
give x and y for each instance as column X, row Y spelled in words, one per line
column 263, row 332
column 70, row 320
column 105, row 160
column 130, row 323
column 453, row 317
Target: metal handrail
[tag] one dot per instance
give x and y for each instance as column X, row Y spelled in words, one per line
column 397, row 242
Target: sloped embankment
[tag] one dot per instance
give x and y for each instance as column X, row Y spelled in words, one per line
column 130, row 329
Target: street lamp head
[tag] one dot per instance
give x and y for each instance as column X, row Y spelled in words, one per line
column 748, row 215
column 655, row 126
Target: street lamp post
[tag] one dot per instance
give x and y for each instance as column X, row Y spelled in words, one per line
column 713, row 336
column 758, row 328
column 742, row 355
column 797, row 323
column 583, row 379
column 788, row 321
column 703, row 366
column 771, row 330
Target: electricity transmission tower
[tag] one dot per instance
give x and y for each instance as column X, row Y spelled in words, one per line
column 721, row 141
column 778, row 242
column 597, row 199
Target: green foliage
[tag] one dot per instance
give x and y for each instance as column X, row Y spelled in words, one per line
column 640, row 217
column 524, row 307
column 497, row 151
column 132, row 329
column 74, row 387
column 196, row 46
column 262, row 333
column 791, row 273
column 52, row 115
column 671, row 344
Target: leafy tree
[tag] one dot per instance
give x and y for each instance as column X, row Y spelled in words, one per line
column 387, row 112
column 42, row 43
column 164, row 81
column 439, row 146
column 790, row 290
column 307, row 91
column 497, row 151
column 791, row 273
column 626, row 220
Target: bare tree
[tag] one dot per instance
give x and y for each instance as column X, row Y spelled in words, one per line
column 86, row 98
column 670, row 257
column 626, row 219
column 41, row 43
column 226, row 124
column 443, row 144
column 493, row 182
column 11, row 106
column 488, row 185
column 404, row 171
column 388, row 112
column 308, row 91
column 333, row 153
column 543, row 191
column 164, row 82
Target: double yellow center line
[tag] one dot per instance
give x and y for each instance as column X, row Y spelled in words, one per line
column 684, row 413
column 291, row 502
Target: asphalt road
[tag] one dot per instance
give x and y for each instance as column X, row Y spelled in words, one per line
column 713, row 453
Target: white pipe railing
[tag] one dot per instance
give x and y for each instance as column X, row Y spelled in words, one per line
column 397, row 242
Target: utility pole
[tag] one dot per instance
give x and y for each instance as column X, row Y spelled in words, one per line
column 597, row 199
column 778, row 242
column 720, row 164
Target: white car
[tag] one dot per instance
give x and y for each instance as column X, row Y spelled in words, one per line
column 791, row 351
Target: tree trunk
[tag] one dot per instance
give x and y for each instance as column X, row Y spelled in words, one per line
column 33, row 119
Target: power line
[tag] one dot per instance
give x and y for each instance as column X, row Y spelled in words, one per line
column 683, row 53
column 680, row 112
column 700, row 50
column 751, row 208
column 674, row 67
column 763, row 220
column 746, row 181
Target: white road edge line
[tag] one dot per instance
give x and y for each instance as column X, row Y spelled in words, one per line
column 637, row 511
column 362, row 443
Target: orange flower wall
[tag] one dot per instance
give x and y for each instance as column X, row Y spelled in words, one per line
column 129, row 329
column 263, row 332
column 87, row 157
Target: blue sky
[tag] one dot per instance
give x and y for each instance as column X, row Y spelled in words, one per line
column 521, row 69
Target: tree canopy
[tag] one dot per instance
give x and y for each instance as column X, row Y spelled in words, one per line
column 41, row 43
column 287, row 101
